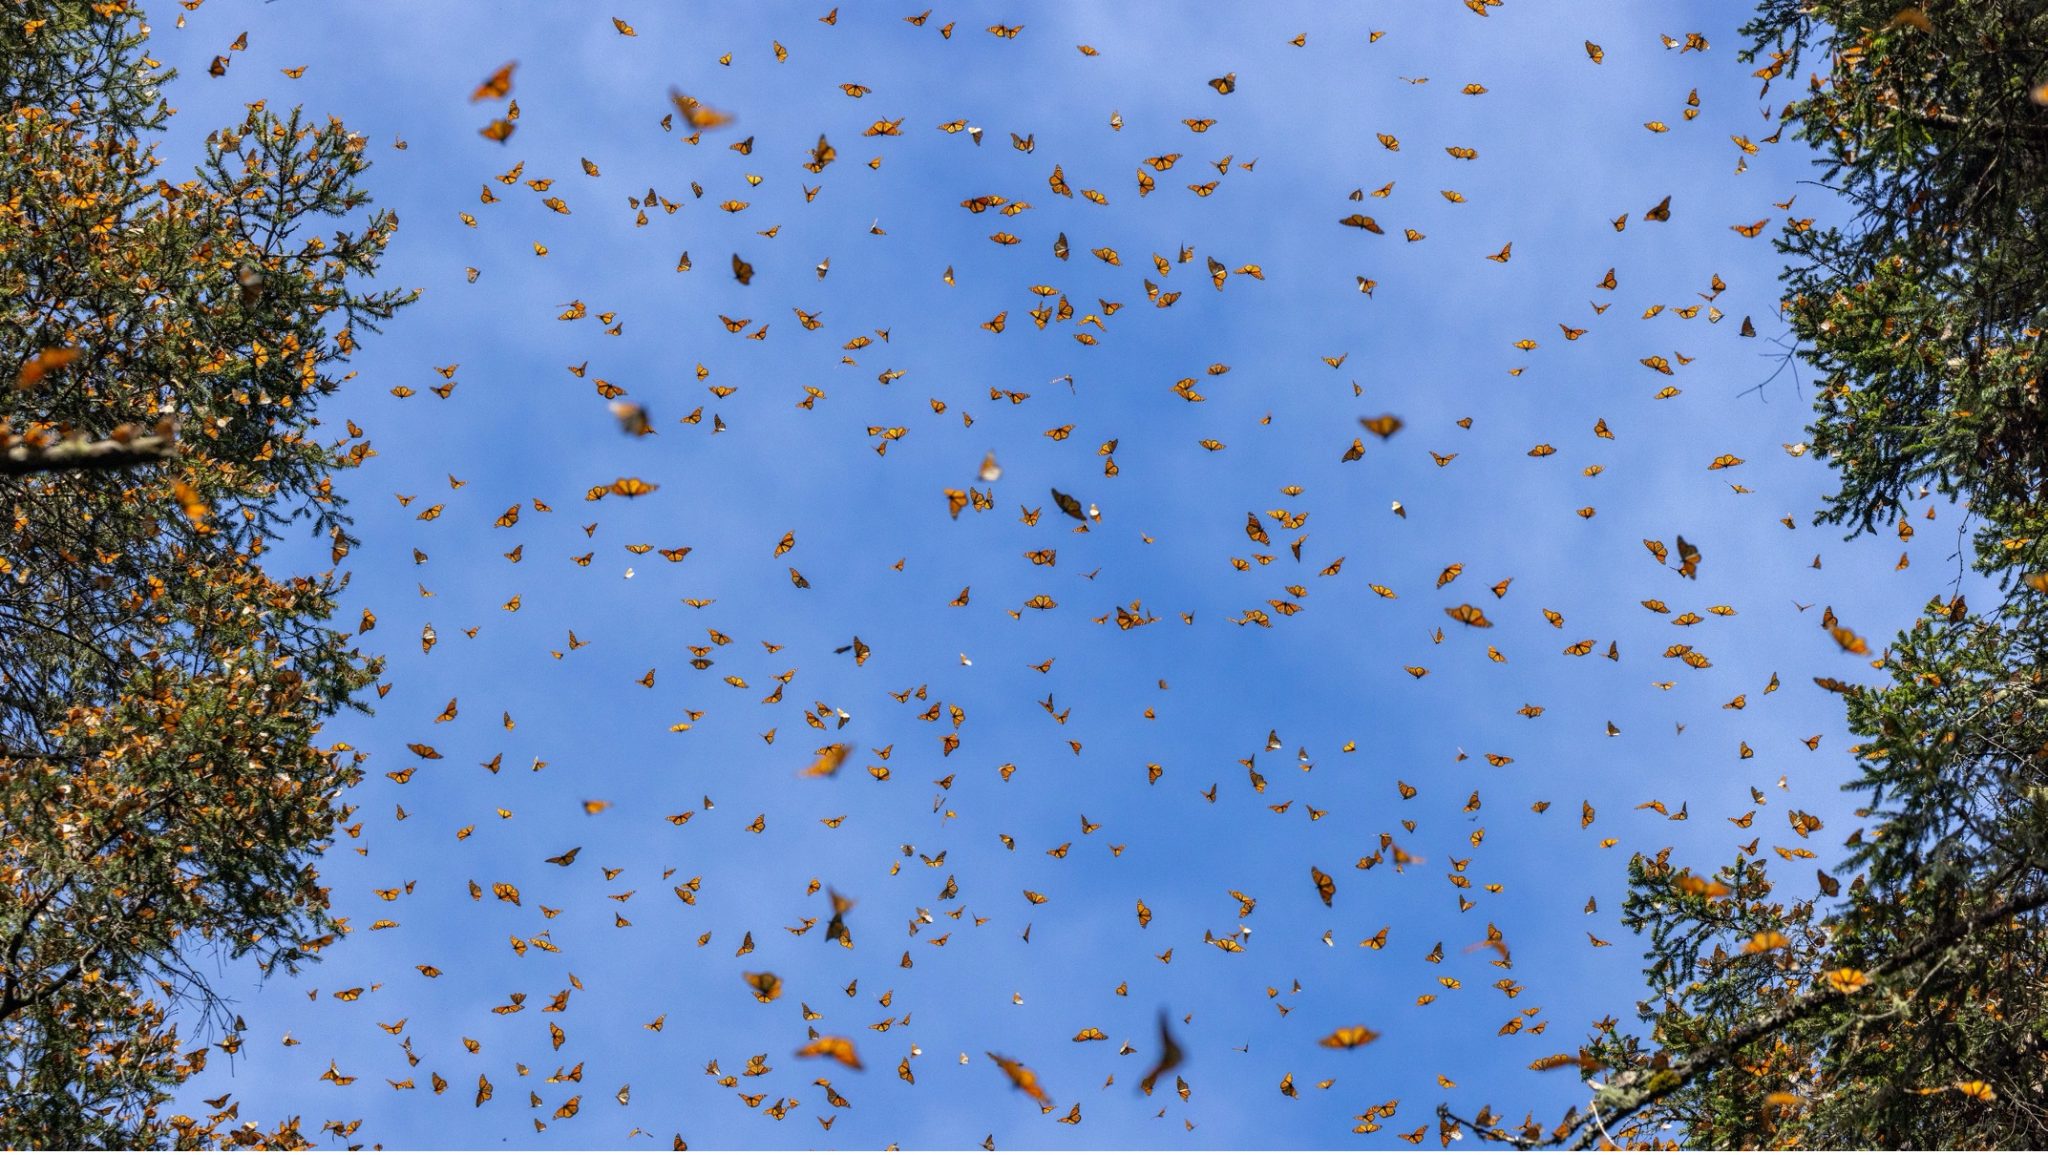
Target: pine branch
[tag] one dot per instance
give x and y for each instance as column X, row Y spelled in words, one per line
column 1634, row 1091
column 1621, row 1102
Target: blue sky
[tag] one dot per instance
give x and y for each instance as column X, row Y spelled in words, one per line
column 1562, row 150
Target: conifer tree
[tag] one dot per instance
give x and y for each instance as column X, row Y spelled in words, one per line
column 164, row 787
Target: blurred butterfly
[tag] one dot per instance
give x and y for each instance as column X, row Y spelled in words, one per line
column 836, row 931
column 193, row 505
column 828, row 761
column 1170, row 1053
column 1470, row 615
column 1021, row 1077
column 821, row 155
column 497, row 86
column 697, row 114
column 1688, row 559
column 831, row 1047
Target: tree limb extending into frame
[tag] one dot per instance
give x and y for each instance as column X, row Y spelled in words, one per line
column 1617, row 1101
column 19, row 458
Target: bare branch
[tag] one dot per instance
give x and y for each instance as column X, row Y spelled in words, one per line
column 21, row 458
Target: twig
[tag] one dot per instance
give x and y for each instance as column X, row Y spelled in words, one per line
column 1595, row 1109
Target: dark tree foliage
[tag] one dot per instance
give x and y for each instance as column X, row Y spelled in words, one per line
column 1925, row 317
column 1907, row 1006
column 164, row 789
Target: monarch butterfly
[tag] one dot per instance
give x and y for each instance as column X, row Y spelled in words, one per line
column 831, row 1047
column 1383, row 426
column 1351, row 1038
column 1725, row 461
column 1021, row 1077
column 1225, row 84
column 1751, row 230
column 1470, row 615
column 1361, row 221
column 1765, row 940
column 1326, row 887
column 632, row 487
column 766, row 985
column 196, row 508
column 1202, row 125
column 696, row 114
column 499, row 130
column 496, row 86
column 1660, row 212
column 1688, row 558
